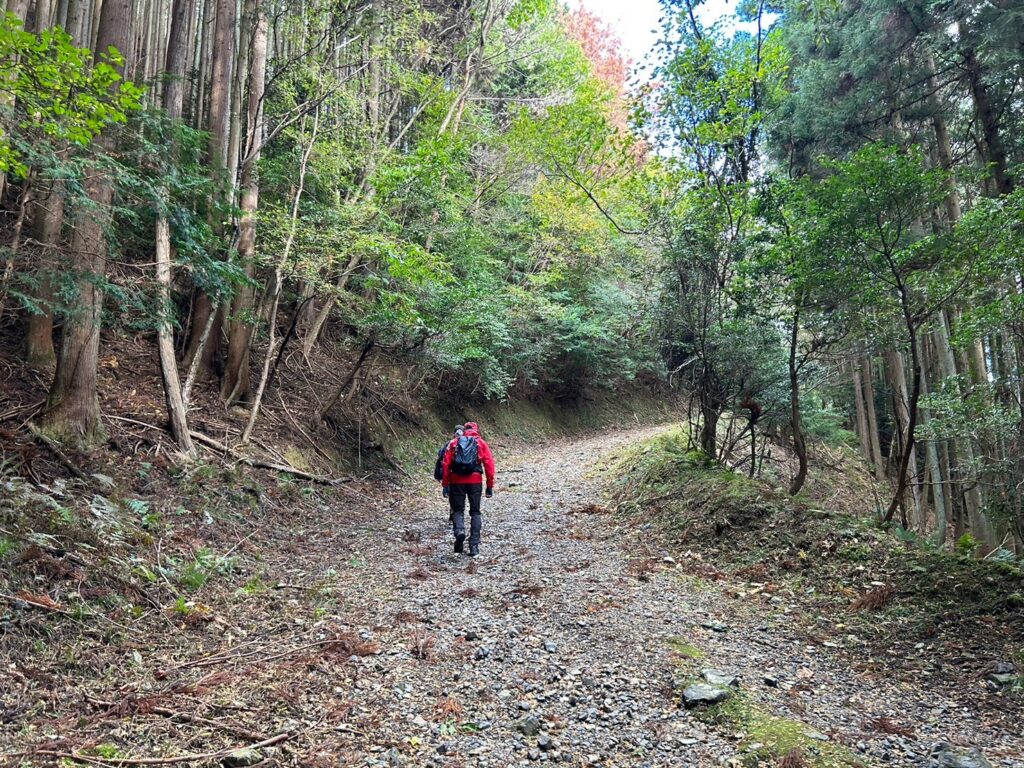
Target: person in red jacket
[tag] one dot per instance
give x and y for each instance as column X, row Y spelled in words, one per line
column 467, row 461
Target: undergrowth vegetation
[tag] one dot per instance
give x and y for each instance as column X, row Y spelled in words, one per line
column 815, row 562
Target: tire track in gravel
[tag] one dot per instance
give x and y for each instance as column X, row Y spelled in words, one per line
column 552, row 646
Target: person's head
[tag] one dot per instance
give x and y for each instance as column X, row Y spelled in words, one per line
column 459, row 429
column 472, row 426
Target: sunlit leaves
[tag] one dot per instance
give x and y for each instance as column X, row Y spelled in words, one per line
column 53, row 87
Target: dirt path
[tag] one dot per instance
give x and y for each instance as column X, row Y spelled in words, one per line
column 561, row 643
column 359, row 634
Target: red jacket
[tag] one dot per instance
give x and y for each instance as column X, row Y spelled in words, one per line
column 486, row 458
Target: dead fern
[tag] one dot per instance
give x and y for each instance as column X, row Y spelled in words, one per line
column 418, row 574
column 350, row 644
column 885, row 725
column 423, row 643
column 874, row 600
column 641, row 569
column 447, row 708
column 526, row 589
column 589, row 509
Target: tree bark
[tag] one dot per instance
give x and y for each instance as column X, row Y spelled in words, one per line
column 219, row 127
column 987, row 113
column 48, row 225
column 72, row 411
column 862, row 419
column 277, row 283
column 795, row 421
column 872, row 416
column 937, row 479
column 174, row 94
column 236, row 371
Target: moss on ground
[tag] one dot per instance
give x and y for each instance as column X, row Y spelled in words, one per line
column 683, row 648
column 769, row 738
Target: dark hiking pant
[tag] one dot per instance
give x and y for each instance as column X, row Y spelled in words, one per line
column 457, row 496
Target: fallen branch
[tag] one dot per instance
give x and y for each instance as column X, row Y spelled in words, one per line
column 115, row 761
column 172, row 714
column 250, row 656
column 16, row 599
column 219, row 446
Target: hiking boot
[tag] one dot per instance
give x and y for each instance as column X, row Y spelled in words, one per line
column 459, row 538
column 474, row 550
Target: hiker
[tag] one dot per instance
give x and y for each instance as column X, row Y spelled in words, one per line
column 467, row 460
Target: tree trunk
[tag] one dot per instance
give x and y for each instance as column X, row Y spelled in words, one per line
column 862, row 418
column 988, row 114
column 799, row 444
column 219, row 127
column 174, row 95
column 78, row 21
column 325, row 311
column 873, row 434
column 277, row 281
column 72, row 411
column 236, row 372
column 176, row 65
column 908, row 404
column 937, row 479
column 49, row 223
column 709, row 431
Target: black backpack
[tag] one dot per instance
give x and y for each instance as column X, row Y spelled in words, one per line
column 466, row 460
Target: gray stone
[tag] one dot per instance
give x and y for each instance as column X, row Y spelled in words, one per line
column 550, row 647
column 482, row 652
column 528, row 726
column 715, row 626
column 702, row 694
column 241, row 758
column 720, row 678
column 998, row 680
column 946, row 756
column 544, row 742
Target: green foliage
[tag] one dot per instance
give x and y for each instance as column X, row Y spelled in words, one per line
column 967, row 545
column 57, row 91
column 7, row 547
column 205, row 564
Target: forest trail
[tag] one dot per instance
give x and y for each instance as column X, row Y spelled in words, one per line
column 354, row 636
column 567, row 640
